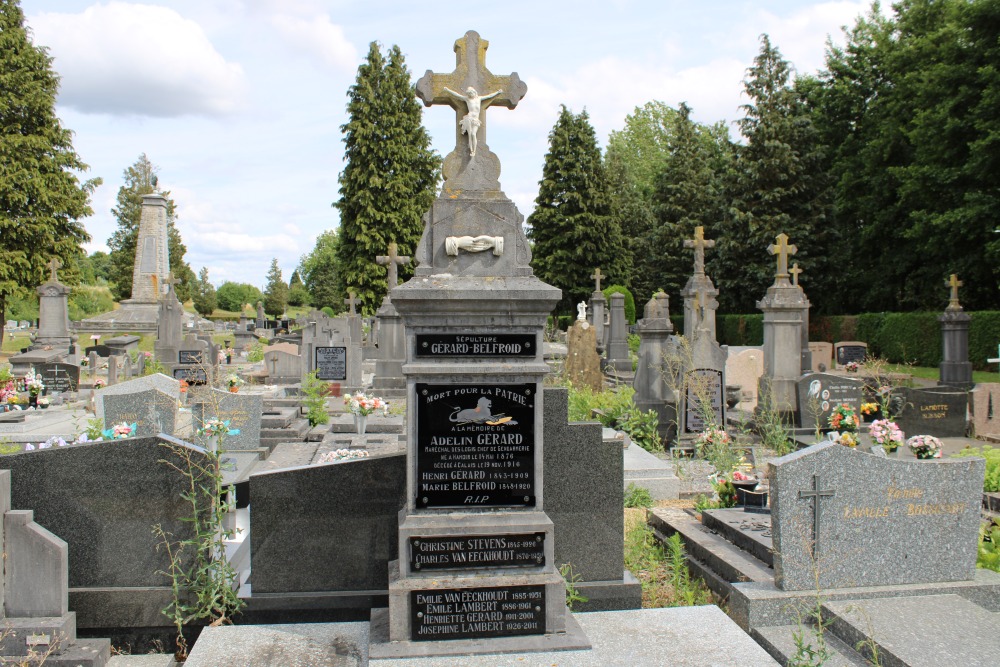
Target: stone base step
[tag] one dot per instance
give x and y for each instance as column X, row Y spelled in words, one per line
column 82, row 653
column 780, row 642
column 747, row 530
column 280, row 417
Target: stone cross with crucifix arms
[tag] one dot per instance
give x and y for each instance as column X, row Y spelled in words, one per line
column 782, row 249
column 54, row 265
column 469, row 90
column 392, row 261
column 699, row 243
column 597, row 275
column 352, row 301
column 795, row 271
column 954, row 283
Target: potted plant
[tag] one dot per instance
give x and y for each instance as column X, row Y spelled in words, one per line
column 887, row 434
column 235, row 382
column 844, row 418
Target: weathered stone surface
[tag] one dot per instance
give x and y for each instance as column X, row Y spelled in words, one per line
column 878, row 521
column 157, row 381
column 583, row 366
column 822, row 356
column 150, row 410
column 986, row 408
column 744, row 369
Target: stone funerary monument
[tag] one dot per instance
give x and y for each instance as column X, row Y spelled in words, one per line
column 476, row 563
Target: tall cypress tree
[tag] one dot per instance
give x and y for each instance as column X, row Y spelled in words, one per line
column 276, row 291
column 141, row 179
column 41, row 200
column 779, row 187
column 390, row 175
column 571, row 228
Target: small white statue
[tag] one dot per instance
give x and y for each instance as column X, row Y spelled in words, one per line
column 470, row 122
column 581, row 311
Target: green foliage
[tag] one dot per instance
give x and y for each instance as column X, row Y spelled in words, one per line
column 141, row 179
column 89, row 300
column 689, row 592
column 573, row 596
column 203, row 293
column 319, row 271
column 991, row 484
column 255, row 352
column 739, row 329
column 41, row 198
column 614, row 408
column 95, row 269
column 571, row 228
column 637, row 496
column 315, row 401
column 641, row 428
column 629, row 300
column 235, row 296
column 388, row 181
column 988, row 557
column 328, row 311
column 154, row 366
column 275, row 292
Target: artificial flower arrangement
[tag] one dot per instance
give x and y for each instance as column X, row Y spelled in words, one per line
column 100, row 383
column 711, row 437
column 183, row 386
column 33, row 383
column 84, row 362
column 43, row 402
column 7, row 391
column 234, row 380
column 342, row 455
column 887, row 434
column 852, row 366
column 845, row 438
column 868, row 409
column 216, row 428
column 364, row 404
column 739, row 476
column 844, row 418
column 925, row 446
column 119, row 431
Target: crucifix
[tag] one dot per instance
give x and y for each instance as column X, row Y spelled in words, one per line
column 699, row 243
column 479, row 88
column 352, row 302
column 795, row 271
column 597, row 279
column 816, row 493
column 782, row 249
column 954, row 283
column 392, row 261
column 54, row 265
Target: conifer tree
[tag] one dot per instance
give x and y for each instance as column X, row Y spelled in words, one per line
column 142, row 179
column 204, row 294
column 571, row 228
column 276, row 291
column 322, row 280
column 389, row 178
column 41, row 199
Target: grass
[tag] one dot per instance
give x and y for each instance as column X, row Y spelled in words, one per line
column 662, row 572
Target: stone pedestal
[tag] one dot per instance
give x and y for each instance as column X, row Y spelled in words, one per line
column 618, row 361
column 598, row 308
column 955, row 369
column 389, row 381
column 783, row 307
column 654, row 386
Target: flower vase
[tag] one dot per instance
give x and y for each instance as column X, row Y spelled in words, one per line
column 33, row 400
column 360, row 423
column 924, row 456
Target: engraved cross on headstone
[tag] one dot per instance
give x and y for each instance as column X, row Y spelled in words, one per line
column 352, row 301
column 699, row 243
column 795, row 271
column 470, row 72
column 597, row 279
column 816, row 494
column 392, row 261
column 954, row 283
column 782, row 249
column 54, row 265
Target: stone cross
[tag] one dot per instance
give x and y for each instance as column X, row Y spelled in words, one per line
column 954, row 283
column 392, row 260
column 699, row 243
column 470, row 72
column 597, row 279
column 782, row 249
column 352, row 301
column 54, row 265
column 816, row 494
column 795, row 271
column 170, row 282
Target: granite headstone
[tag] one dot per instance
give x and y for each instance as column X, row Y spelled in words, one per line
column 243, row 411
column 152, row 411
column 820, row 393
column 938, row 412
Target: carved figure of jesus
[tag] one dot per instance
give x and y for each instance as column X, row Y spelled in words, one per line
column 470, row 122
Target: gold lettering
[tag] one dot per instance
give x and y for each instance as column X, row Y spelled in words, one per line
column 904, row 494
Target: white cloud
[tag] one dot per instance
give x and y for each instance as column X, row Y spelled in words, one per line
column 798, row 35
column 319, row 38
column 121, row 59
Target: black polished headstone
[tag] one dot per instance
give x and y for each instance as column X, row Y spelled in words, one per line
column 475, row 445
column 331, row 363
column 849, row 353
column 477, row 613
column 101, row 350
column 941, row 413
column 189, row 357
column 195, row 376
column 820, row 393
column 59, row 377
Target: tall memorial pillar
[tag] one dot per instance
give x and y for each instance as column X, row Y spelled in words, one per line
column 955, row 369
column 476, row 570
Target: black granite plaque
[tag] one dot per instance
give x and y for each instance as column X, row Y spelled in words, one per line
column 849, row 353
column 703, row 384
column 59, row 377
column 820, row 393
column 101, row 350
column 191, row 375
column 189, row 356
column 475, row 445
column 477, row 613
column 464, row 552
column 476, row 345
column 331, row 363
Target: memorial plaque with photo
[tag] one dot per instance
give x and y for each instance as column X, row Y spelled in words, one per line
column 331, row 363
column 475, row 445
column 700, row 385
column 455, row 552
column 189, row 356
column 191, row 375
column 847, row 352
column 59, row 377
column 820, row 393
column 476, row 345
column 477, row 613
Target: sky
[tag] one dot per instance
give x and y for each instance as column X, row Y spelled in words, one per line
column 239, row 103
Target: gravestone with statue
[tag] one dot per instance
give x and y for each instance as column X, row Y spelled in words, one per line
column 474, row 315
